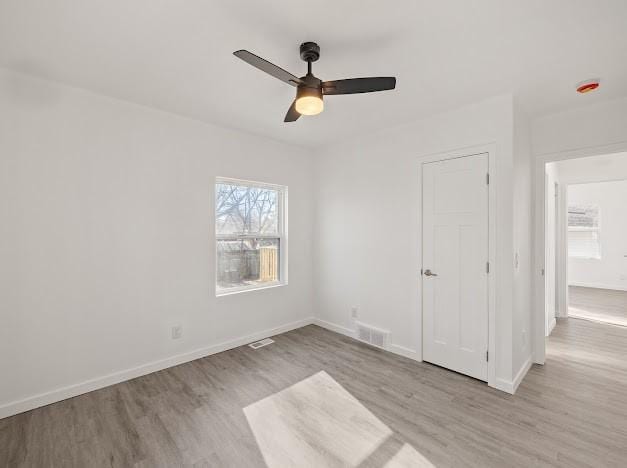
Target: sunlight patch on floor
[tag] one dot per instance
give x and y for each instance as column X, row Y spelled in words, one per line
column 408, row 456
column 317, row 423
column 597, row 316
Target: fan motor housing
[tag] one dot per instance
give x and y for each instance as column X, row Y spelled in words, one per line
column 309, row 51
column 310, row 81
column 306, row 91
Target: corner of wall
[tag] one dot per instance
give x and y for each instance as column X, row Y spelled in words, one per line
column 510, row 386
column 522, row 320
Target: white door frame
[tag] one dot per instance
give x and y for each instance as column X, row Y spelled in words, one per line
column 539, row 344
column 490, row 149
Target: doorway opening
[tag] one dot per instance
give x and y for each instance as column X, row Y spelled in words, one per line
column 585, row 240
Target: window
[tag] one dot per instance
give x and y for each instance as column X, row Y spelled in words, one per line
column 250, row 235
column 583, row 231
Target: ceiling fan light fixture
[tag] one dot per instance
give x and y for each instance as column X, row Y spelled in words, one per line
column 309, row 105
column 309, row 101
column 309, row 88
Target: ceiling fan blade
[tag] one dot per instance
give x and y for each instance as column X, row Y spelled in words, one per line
column 359, row 85
column 269, row 68
column 292, row 114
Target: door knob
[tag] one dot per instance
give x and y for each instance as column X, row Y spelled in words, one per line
column 429, row 273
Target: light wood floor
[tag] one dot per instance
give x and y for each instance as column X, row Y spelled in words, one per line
column 340, row 403
column 600, row 305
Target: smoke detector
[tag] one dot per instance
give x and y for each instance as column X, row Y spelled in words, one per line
column 588, row 85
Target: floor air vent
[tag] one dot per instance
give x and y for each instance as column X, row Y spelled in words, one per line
column 372, row 335
column 261, row 344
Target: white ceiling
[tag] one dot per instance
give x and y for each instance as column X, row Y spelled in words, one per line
column 177, row 55
column 592, row 169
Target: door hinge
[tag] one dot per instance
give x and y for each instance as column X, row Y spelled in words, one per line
column 487, row 267
column 487, row 355
column 487, row 178
column 421, row 272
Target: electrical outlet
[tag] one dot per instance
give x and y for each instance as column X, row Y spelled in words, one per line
column 354, row 312
column 177, row 332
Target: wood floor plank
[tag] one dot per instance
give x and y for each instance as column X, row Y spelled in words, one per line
column 571, row 412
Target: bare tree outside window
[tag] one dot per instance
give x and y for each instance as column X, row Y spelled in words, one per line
column 249, row 231
column 246, row 210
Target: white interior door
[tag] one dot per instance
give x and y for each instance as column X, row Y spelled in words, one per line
column 455, row 264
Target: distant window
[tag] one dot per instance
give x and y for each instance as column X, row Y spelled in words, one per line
column 250, row 235
column 583, row 231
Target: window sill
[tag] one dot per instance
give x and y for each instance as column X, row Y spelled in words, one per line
column 232, row 291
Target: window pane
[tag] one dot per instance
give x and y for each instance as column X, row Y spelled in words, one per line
column 583, row 231
column 583, row 216
column 247, row 262
column 584, row 244
column 246, row 210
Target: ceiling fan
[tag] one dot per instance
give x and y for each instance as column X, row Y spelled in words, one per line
column 309, row 89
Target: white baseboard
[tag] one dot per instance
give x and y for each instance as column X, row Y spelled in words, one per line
column 35, row 401
column 522, row 372
column 407, row 352
column 392, row 348
column 504, row 385
column 561, row 314
column 500, row 384
column 511, row 387
column 334, row 327
column 616, row 287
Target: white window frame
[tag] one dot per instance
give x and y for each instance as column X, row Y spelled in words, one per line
column 281, row 235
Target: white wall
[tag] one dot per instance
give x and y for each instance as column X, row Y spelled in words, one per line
column 368, row 232
column 588, row 127
column 600, row 168
column 106, row 238
column 609, row 272
column 522, row 233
